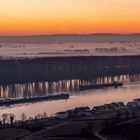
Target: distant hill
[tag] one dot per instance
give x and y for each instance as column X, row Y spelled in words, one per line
column 62, row 38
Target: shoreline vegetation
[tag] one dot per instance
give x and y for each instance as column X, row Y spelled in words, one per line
column 107, row 118
column 62, row 68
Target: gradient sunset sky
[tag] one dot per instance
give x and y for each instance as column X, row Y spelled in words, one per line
column 29, row 17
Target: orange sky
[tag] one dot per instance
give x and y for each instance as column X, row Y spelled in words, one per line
column 27, row 17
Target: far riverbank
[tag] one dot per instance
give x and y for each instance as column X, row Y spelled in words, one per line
column 63, row 68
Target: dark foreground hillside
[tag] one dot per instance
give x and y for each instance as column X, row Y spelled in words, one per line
column 123, row 125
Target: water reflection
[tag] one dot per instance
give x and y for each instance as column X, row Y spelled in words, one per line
column 83, row 98
column 53, row 87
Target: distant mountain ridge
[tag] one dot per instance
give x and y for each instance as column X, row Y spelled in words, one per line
column 60, row 38
column 71, row 34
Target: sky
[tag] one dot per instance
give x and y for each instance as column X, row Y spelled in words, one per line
column 36, row 17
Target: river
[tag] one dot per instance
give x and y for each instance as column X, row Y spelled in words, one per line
column 129, row 91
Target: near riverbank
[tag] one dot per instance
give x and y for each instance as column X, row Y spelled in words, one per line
column 109, row 121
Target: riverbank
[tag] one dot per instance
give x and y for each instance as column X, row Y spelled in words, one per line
column 62, row 68
column 80, row 123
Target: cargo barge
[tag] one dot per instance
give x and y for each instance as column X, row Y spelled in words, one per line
column 33, row 99
column 98, row 86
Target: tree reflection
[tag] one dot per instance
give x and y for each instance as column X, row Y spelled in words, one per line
column 53, row 87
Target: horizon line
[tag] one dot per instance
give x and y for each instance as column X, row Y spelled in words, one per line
column 66, row 34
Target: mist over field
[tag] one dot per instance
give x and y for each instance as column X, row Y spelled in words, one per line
column 69, row 45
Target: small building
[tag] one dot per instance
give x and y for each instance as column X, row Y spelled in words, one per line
column 121, row 104
column 131, row 104
column 62, row 115
column 137, row 102
column 82, row 111
column 118, row 105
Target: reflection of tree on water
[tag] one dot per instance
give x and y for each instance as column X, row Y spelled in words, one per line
column 53, row 87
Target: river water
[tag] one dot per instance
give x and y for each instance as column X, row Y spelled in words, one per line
column 129, row 91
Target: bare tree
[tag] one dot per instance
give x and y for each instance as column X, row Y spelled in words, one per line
column 12, row 117
column 23, row 117
column 5, row 118
column 45, row 115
